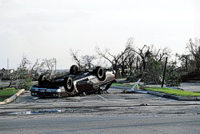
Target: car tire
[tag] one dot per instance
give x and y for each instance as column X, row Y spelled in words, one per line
column 74, row 69
column 100, row 73
column 69, row 87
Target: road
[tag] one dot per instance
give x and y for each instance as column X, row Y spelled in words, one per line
column 191, row 86
column 102, row 124
column 107, row 113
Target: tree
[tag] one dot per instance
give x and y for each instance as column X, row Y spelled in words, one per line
column 117, row 61
column 22, row 70
column 194, row 49
column 149, row 63
column 84, row 61
column 127, row 59
column 185, row 60
column 123, row 60
column 144, row 53
column 149, row 52
column 173, row 77
column 22, row 75
column 75, row 57
column 34, row 71
column 48, row 66
column 87, row 60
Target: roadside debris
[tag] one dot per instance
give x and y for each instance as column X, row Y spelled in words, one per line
column 134, row 88
column 143, row 104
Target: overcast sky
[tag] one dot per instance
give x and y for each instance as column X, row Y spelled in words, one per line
column 49, row 28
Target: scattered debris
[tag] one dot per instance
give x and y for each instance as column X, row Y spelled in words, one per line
column 143, row 104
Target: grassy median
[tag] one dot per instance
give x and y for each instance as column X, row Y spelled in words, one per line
column 173, row 91
column 122, row 85
column 170, row 91
column 7, row 92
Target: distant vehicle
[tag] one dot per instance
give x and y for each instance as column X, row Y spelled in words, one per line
column 76, row 82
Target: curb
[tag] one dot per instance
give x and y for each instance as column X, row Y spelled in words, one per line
column 181, row 98
column 12, row 98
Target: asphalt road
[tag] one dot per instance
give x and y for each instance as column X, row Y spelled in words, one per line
column 112, row 113
column 102, row 124
column 195, row 87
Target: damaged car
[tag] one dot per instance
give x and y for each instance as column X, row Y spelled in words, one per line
column 77, row 81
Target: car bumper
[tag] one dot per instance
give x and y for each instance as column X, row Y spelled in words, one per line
column 46, row 92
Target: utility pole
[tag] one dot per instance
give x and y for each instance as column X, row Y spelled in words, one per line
column 163, row 80
column 55, row 64
column 8, row 67
column 7, row 64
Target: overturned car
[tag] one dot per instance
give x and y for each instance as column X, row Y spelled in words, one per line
column 75, row 82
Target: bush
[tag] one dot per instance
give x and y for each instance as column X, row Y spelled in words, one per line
column 153, row 72
column 172, row 76
column 24, row 83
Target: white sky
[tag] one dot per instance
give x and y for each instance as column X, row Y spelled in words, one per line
column 49, row 28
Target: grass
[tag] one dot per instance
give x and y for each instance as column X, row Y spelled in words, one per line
column 173, row 91
column 122, row 85
column 163, row 90
column 7, row 92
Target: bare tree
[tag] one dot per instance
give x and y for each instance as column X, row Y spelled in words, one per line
column 144, row 53
column 22, row 70
column 159, row 54
column 123, row 60
column 194, row 49
column 49, row 65
column 84, row 61
column 128, row 58
column 34, row 69
column 75, row 57
column 185, row 60
column 149, row 52
column 87, row 60
column 114, row 60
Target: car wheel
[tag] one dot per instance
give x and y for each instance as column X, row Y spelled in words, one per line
column 69, row 87
column 69, row 84
column 74, row 69
column 100, row 73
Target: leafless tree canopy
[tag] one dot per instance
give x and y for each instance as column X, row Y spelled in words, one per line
column 75, row 57
column 194, row 49
column 84, row 61
column 131, row 58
